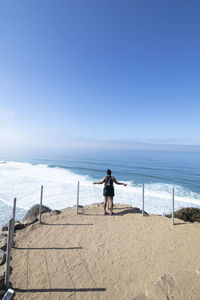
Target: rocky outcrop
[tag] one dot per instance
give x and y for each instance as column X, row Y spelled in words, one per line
column 18, row 225
column 2, row 275
column 187, row 214
column 3, row 246
column 3, row 242
column 2, row 257
column 33, row 212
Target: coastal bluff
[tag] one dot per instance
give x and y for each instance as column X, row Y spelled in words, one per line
column 92, row 256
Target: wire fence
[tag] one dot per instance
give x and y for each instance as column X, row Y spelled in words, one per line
column 56, row 196
column 27, row 195
column 77, row 196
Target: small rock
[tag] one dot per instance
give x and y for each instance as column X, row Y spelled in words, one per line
column 2, row 271
column 19, row 225
column 2, row 257
column 136, row 210
column 80, row 206
column 28, row 221
column 4, row 233
column 3, row 242
column 2, row 274
column 55, row 212
column 5, row 227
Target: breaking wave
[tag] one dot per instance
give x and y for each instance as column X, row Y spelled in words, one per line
column 24, row 180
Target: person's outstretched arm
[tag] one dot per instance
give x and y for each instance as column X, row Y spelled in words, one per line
column 100, row 182
column 119, row 183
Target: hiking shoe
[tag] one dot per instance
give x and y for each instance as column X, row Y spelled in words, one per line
column 105, row 213
column 111, row 213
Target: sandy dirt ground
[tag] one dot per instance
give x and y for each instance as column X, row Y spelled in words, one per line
column 91, row 256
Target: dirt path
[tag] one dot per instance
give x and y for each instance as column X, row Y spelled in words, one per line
column 91, row 256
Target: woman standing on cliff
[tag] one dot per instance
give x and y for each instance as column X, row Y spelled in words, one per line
column 108, row 190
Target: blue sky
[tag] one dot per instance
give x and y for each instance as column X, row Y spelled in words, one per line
column 99, row 73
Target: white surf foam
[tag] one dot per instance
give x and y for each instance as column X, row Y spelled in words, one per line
column 24, row 180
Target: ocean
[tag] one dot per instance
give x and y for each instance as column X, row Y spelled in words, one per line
column 60, row 171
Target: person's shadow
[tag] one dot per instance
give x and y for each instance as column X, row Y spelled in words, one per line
column 133, row 210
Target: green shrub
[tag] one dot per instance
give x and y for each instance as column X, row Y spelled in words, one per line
column 33, row 212
column 188, row 214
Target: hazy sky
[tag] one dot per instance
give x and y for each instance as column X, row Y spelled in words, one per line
column 95, row 73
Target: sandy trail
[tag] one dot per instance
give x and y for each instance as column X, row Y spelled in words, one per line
column 91, row 256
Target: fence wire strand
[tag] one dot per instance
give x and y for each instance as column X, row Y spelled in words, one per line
column 27, row 195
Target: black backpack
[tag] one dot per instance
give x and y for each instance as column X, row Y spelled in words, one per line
column 108, row 182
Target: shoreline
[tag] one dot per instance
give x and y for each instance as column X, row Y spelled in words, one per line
column 124, row 256
column 60, row 185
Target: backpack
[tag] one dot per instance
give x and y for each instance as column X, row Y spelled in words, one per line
column 108, row 182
